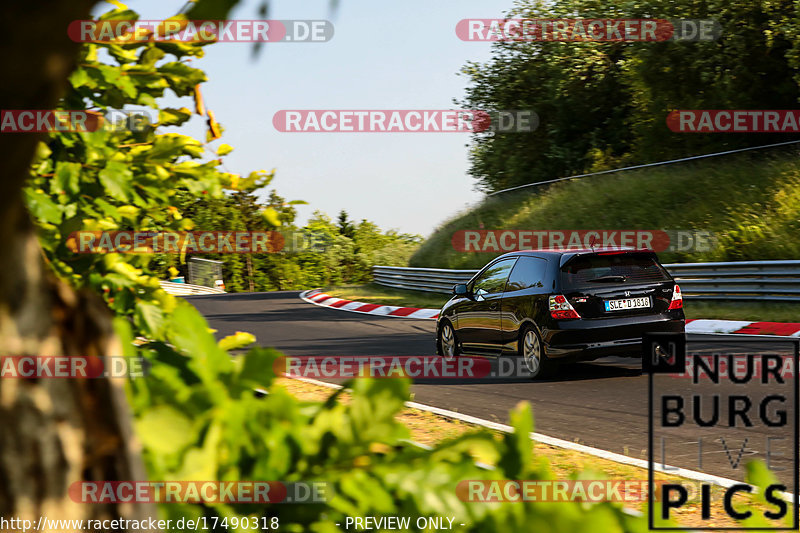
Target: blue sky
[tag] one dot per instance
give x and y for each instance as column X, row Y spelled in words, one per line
column 384, row 55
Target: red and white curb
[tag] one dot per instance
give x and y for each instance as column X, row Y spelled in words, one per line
column 783, row 329
column 700, row 325
column 318, row 297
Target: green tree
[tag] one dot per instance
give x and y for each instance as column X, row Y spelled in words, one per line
column 604, row 104
column 344, row 225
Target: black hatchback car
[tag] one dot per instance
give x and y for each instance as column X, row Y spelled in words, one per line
column 561, row 306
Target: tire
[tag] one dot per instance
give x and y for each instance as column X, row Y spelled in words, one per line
column 531, row 349
column 448, row 344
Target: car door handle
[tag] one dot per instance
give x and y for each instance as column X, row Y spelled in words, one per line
column 493, row 307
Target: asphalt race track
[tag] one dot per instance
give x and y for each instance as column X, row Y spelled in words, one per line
column 603, row 403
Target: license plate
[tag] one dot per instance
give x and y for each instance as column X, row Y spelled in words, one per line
column 627, row 303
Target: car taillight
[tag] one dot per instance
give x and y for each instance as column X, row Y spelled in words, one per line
column 560, row 308
column 677, row 299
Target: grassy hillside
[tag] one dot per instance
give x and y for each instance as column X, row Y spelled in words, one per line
column 751, row 202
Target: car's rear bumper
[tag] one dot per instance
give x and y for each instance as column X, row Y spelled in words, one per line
column 584, row 340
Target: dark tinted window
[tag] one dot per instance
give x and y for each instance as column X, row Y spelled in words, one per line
column 494, row 278
column 528, row 272
column 614, row 269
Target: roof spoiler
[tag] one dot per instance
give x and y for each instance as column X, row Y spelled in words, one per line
column 567, row 258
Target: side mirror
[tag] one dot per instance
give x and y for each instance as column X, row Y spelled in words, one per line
column 460, row 289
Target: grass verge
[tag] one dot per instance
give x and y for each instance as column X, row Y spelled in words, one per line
column 748, row 201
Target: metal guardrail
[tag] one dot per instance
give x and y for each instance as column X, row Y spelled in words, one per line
column 187, row 289
column 770, row 281
column 421, row 279
column 204, row 272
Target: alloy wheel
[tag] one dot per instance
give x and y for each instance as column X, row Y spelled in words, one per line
column 532, row 352
column 448, row 342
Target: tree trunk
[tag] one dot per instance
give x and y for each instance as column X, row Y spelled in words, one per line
column 250, row 273
column 53, row 432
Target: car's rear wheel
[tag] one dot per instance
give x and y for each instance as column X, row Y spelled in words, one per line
column 531, row 350
column 448, row 346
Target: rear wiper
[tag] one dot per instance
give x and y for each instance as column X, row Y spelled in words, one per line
column 608, row 278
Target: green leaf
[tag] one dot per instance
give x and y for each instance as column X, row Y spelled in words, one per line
column 125, row 84
column 79, row 78
column 167, row 147
column 165, row 430
column 116, row 179
column 107, row 209
column 42, row 151
column 150, row 56
column 199, row 464
column 271, row 216
column 128, row 211
column 239, row 339
column 169, row 116
column 42, row 207
column 519, row 447
column 67, row 177
column 224, row 149
column 189, row 332
column 151, row 316
column 760, row 476
column 195, row 151
column 122, row 54
column 119, row 14
column 146, row 100
column 258, row 369
column 181, row 77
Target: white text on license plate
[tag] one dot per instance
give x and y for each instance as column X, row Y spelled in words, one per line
column 627, row 303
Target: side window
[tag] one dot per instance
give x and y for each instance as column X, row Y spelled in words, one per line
column 528, row 272
column 493, row 279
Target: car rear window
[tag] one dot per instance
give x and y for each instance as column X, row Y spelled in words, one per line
column 605, row 270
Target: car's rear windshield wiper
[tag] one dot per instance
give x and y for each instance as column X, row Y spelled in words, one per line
column 602, row 279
